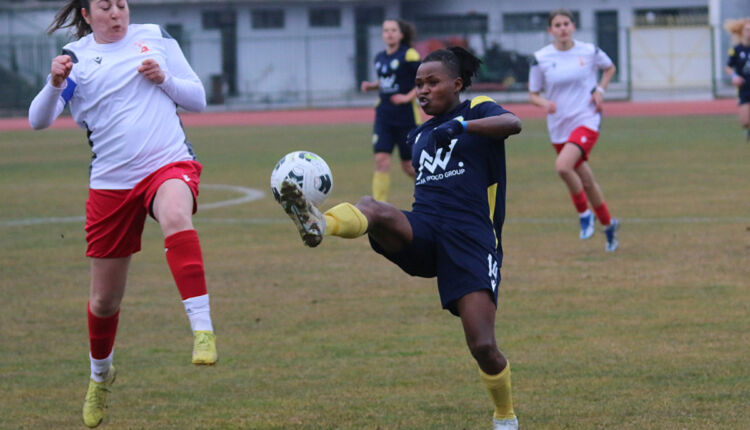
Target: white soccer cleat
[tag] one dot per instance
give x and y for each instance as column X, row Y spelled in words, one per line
column 310, row 223
column 587, row 226
column 611, row 232
column 508, row 424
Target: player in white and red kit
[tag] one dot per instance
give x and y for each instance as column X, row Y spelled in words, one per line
column 566, row 70
column 123, row 83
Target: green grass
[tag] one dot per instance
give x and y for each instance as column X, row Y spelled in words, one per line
column 654, row 336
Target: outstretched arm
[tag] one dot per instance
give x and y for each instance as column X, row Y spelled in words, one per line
column 499, row 126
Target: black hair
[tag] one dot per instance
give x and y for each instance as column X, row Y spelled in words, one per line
column 408, row 30
column 72, row 7
column 557, row 12
column 459, row 62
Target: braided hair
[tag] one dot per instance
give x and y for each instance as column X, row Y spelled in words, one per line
column 459, row 62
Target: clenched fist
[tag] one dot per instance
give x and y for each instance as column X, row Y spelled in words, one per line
column 60, row 70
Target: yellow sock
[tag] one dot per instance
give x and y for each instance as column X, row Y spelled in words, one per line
column 345, row 220
column 499, row 388
column 381, row 183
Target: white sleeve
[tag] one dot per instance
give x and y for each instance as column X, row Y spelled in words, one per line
column 536, row 77
column 46, row 106
column 181, row 83
column 601, row 59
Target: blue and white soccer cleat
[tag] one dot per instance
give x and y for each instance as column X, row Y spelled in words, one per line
column 611, row 232
column 508, row 424
column 310, row 223
column 587, row 225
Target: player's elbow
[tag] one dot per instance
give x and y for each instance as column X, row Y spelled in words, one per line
column 201, row 105
column 514, row 125
column 38, row 124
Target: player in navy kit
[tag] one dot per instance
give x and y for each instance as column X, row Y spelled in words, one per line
column 123, row 83
column 396, row 113
column 738, row 66
column 453, row 231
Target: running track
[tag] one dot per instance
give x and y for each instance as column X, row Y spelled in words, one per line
column 366, row 115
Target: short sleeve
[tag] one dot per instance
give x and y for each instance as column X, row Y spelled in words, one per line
column 536, row 76
column 732, row 61
column 483, row 107
column 601, row 59
column 412, row 55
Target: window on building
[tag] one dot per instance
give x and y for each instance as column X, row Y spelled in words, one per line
column 535, row 21
column 219, row 20
column 263, row 19
column 325, row 17
column 451, row 24
column 177, row 33
column 684, row 16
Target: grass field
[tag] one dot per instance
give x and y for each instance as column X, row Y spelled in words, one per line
column 654, row 336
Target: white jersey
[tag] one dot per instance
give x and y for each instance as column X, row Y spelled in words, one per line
column 132, row 123
column 568, row 78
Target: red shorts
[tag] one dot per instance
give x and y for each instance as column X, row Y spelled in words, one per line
column 115, row 218
column 584, row 138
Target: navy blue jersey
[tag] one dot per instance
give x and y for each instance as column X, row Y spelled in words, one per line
column 465, row 185
column 739, row 61
column 396, row 74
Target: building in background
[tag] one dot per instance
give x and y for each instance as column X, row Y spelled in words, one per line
column 285, row 53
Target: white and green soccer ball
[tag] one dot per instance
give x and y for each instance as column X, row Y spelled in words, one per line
column 308, row 170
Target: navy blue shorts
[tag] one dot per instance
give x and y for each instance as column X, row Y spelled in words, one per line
column 387, row 136
column 461, row 264
column 744, row 96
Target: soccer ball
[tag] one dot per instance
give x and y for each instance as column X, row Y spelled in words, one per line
column 309, row 170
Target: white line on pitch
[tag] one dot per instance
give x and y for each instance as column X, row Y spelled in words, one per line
column 248, row 195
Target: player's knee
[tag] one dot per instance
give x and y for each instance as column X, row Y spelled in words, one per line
column 174, row 221
column 563, row 169
column 102, row 306
column 483, row 349
column 375, row 211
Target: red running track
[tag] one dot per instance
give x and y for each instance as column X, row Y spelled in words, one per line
column 366, row 115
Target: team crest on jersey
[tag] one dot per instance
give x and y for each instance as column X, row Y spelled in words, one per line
column 394, row 64
column 142, row 47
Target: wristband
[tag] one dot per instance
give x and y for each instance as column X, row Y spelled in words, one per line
column 600, row 89
column 463, row 124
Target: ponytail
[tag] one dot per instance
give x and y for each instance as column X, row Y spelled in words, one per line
column 72, row 7
column 460, row 63
column 408, row 31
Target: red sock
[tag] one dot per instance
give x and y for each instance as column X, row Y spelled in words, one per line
column 579, row 201
column 186, row 262
column 102, row 332
column 602, row 212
